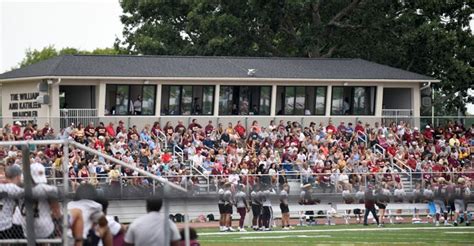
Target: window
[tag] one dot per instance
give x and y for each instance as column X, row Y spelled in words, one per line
column 301, row 100
column 355, row 100
column 244, row 100
column 187, row 100
column 130, row 99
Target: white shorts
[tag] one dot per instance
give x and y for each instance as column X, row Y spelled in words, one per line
column 440, row 207
column 459, row 206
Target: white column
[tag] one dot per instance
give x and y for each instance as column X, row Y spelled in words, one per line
column 328, row 100
column 53, row 107
column 101, row 101
column 158, row 100
column 379, row 101
column 273, row 101
column 216, row 100
column 416, row 98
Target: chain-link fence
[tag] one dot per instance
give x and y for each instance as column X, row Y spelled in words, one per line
column 38, row 210
column 32, row 210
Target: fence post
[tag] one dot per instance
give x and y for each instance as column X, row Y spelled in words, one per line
column 121, row 186
column 66, row 190
column 166, row 210
column 30, row 229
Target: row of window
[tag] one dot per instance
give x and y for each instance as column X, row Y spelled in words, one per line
column 238, row 100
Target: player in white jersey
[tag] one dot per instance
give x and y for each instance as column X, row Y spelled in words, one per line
column 10, row 192
column 92, row 215
column 242, row 206
column 46, row 207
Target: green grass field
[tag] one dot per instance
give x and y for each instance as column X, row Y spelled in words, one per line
column 420, row 234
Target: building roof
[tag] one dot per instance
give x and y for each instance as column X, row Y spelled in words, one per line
column 211, row 67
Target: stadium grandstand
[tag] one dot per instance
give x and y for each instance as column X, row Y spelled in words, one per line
column 264, row 152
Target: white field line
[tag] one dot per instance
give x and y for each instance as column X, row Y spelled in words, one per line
column 284, row 236
column 337, row 230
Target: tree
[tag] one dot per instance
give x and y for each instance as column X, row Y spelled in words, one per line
column 34, row 56
column 427, row 37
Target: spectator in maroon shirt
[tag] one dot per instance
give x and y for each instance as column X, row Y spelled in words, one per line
column 89, row 131
column 46, row 129
column 180, row 128
column 120, row 126
column 101, row 131
column 359, row 127
column 428, row 134
column 209, row 128
column 341, row 128
column 194, row 125
column 155, row 130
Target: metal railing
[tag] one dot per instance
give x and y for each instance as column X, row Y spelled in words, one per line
column 397, row 112
column 78, row 115
column 178, row 153
column 162, row 140
column 138, row 187
column 377, row 148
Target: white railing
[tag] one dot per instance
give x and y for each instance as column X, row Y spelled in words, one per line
column 78, row 115
column 362, row 136
column 178, row 153
column 397, row 112
column 377, row 148
column 162, row 140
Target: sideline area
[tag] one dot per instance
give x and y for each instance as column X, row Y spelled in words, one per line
column 345, row 234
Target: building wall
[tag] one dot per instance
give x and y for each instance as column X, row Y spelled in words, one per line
column 100, row 84
column 19, row 103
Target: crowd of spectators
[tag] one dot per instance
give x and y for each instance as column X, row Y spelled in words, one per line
column 331, row 157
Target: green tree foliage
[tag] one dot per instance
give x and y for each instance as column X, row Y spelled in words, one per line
column 34, row 56
column 427, row 37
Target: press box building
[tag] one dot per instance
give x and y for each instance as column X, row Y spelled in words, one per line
column 143, row 89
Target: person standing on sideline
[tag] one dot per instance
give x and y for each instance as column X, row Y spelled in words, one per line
column 242, row 206
column 461, row 194
column 370, row 205
column 382, row 199
column 256, row 208
column 149, row 229
column 228, row 207
column 285, row 211
column 220, row 204
column 267, row 207
column 440, row 190
column 10, row 193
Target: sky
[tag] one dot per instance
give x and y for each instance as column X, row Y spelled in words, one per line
column 81, row 24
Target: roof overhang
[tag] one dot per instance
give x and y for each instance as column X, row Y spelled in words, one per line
column 216, row 79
